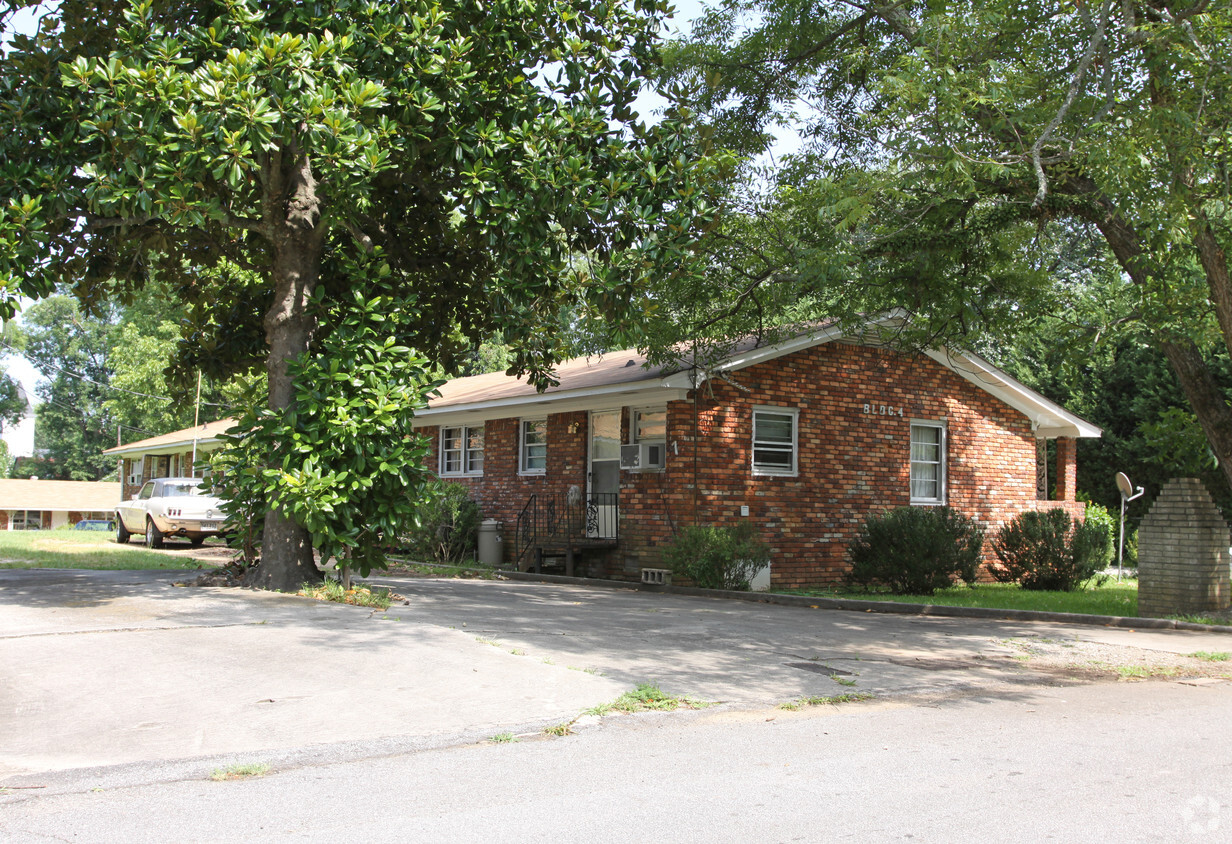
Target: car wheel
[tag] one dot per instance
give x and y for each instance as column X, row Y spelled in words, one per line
column 196, row 541
column 122, row 534
column 153, row 536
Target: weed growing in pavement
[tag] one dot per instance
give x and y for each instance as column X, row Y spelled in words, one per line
column 518, row 652
column 833, row 700
column 240, row 772
column 359, row 595
column 842, row 681
column 504, row 738
column 1132, row 672
column 491, row 642
column 565, row 729
column 1213, row 620
column 594, row 671
column 647, row 697
column 1212, row 656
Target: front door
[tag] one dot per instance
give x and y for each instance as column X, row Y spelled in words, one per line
column 603, row 476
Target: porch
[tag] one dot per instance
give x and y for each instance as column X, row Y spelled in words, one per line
column 557, row 530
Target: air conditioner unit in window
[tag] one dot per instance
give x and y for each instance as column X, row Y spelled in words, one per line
column 639, row 457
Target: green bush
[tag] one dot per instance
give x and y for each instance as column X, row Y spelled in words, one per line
column 1049, row 551
column 718, row 558
column 917, row 550
column 1129, row 558
column 447, row 525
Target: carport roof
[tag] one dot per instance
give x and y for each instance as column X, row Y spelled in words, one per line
column 176, row 440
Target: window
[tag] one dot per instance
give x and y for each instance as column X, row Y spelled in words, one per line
column 26, row 520
column 462, row 450
column 650, row 425
column 533, row 446
column 774, row 441
column 927, row 463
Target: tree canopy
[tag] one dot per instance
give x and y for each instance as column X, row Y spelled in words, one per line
column 956, row 153
column 268, row 160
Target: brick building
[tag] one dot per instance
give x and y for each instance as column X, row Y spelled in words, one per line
column 28, row 504
column 806, row 439
column 166, row 456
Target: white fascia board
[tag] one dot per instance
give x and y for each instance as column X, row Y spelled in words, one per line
column 807, row 340
column 165, row 448
column 602, row 398
column 1048, row 419
column 765, row 353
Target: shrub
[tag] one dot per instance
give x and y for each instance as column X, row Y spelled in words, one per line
column 447, row 525
column 917, row 550
column 1047, row 550
column 717, row 557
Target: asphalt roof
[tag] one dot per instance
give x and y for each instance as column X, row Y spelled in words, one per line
column 25, row 494
column 207, row 432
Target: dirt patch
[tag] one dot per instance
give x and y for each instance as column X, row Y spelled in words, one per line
column 1095, row 661
column 216, row 555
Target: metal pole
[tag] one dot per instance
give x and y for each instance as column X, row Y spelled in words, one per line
column 1121, row 543
column 192, row 472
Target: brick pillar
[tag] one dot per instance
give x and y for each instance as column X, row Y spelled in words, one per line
column 1067, row 468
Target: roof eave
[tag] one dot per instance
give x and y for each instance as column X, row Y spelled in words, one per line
column 1048, row 419
column 653, row 391
column 169, row 448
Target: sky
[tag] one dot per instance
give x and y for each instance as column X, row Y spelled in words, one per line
column 20, row 369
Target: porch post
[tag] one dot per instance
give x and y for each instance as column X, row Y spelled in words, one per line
column 1067, row 468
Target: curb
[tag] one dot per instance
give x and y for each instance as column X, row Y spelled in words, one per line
column 891, row 607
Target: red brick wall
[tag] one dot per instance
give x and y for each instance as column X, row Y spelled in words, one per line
column 500, row 491
column 853, row 462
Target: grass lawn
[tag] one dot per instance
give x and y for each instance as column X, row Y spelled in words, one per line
column 80, row 549
column 1112, row 598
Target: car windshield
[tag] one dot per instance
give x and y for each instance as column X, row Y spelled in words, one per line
column 174, row 490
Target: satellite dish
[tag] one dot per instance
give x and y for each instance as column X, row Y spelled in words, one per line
column 1123, row 484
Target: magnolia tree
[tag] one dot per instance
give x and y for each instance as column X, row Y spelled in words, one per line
column 327, row 186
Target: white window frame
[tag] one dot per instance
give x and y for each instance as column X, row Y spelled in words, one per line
column 770, row 470
column 523, row 446
column 635, row 424
column 25, row 520
column 941, row 462
column 466, row 453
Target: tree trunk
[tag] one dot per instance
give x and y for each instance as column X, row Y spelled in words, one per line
column 1208, row 401
column 287, row 559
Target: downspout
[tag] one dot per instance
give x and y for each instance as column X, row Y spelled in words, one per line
column 696, row 432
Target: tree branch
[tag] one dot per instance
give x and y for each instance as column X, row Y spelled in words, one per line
column 1076, row 81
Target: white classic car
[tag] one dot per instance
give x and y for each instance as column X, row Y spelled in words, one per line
column 170, row 507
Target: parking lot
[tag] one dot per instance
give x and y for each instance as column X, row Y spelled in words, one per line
column 107, row 668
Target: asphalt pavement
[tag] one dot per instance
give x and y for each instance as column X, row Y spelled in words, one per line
column 111, row 670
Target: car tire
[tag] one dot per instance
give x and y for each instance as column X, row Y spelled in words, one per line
column 196, row 541
column 122, row 534
column 153, row 536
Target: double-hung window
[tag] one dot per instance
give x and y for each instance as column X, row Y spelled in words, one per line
column 650, row 426
column 533, row 446
column 462, row 450
column 927, row 463
column 774, row 440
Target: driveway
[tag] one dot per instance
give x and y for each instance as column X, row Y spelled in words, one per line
column 107, row 668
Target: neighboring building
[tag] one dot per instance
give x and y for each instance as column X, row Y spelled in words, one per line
column 43, row 505
column 167, row 456
column 806, row 439
column 20, row 436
